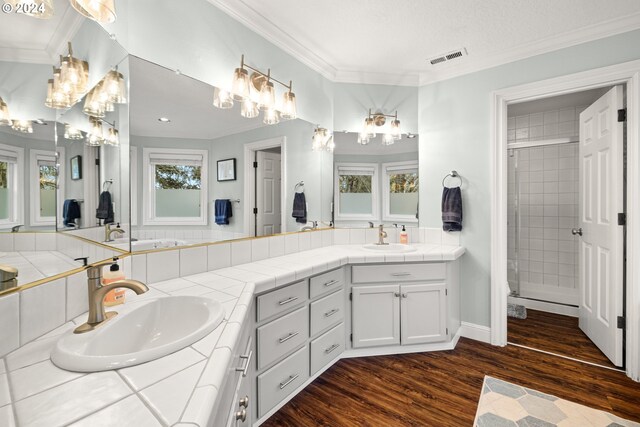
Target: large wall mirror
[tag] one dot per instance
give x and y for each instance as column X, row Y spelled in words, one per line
column 375, row 183
column 41, row 166
column 204, row 174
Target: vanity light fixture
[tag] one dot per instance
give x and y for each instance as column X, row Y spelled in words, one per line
column 69, row 82
column 256, row 92
column 5, row 119
column 102, row 97
column 103, row 11
column 322, row 139
column 374, row 120
column 24, row 126
column 42, row 9
column 72, row 133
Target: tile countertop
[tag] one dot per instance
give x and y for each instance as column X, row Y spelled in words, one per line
column 178, row 389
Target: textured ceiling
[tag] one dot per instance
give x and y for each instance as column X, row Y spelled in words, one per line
column 382, row 40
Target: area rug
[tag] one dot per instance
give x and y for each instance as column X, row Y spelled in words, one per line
column 503, row 404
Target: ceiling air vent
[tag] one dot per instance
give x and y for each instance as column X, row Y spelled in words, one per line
column 448, row 56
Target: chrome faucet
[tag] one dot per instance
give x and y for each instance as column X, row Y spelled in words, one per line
column 108, row 232
column 97, row 292
column 310, row 227
column 381, row 235
column 370, row 224
column 8, row 277
column 16, row 228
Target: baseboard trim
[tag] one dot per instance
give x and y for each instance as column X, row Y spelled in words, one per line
column 548, row 307
column 475, row 332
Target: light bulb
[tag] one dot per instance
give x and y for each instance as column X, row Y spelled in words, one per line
column 222, row 99
column 267, row 96
column 249, row 109
column 369, row 128
column 240, row 85
column 395, row 132
column 271, row 117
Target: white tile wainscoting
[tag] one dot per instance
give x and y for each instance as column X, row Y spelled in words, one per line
column 180, row 389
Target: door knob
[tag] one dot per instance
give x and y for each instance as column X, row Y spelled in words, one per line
column 576, row 231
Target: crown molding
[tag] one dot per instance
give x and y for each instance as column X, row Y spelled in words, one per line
column 249, row 17
column 28, row 56
column 537, row 47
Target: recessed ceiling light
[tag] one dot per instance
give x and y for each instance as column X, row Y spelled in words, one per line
column 164, row 120
column 411, row 135
column 40, row 122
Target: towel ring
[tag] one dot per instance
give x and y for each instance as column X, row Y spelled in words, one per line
column 300, row 184
column 452, row 174
column 107, row 184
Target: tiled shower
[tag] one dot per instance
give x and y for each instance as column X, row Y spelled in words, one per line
column 543, row 206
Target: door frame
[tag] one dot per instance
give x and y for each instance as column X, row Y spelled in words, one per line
column 249, row 178
column 627, row 73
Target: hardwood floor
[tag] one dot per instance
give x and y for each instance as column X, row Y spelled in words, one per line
column 443, row 388
column 555, row 333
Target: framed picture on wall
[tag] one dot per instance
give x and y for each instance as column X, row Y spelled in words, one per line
column 227, row 170
column 76, row 168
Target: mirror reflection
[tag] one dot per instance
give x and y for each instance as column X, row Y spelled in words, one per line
column 375, row 183
column 204, row 174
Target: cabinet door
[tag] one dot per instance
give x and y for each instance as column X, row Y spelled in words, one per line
column 376, row 315
column 423, row 313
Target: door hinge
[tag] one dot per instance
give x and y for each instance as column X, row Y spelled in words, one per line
column 351, row 337
column 255, row 164
column 447, row 330
column 255, row 211
column 621, row 322
column 351, row 296
column 622, row 115
column 622, row 218
column 446, row 292
column 97, row 162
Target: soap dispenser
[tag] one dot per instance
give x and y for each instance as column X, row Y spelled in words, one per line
column 404, row 236
column 114, row 273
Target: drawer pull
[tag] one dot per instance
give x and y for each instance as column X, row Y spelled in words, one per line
column 288, row 337
column 331, row 282
column 287, row 301
column 330, row 349
column 291, row 379
column 331, row 312
column 400, row 274
column 245, row 368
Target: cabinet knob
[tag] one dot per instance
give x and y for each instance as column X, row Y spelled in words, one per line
column 244, row 402
column 241, row 415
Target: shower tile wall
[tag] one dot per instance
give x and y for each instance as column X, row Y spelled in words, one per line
column 543, row 181
column 550, row 124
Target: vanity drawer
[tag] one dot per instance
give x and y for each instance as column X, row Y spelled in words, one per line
column 398, row 272
column 327, row 347
column 278, row 382
column 281, row 300
column 327, row 311
column 326, row 282
column 277, row 338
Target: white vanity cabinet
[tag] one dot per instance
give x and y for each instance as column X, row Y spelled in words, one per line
column 402, row 304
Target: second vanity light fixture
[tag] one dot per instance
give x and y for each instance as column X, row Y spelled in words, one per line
column 375, row 120
column 322, row 140
column 256, row 92
column 69, row 82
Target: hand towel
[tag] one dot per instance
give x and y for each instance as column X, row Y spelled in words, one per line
column 300, row 208
column 70, row 212
column 223, row 211
column 105, row 208
column 451, row 209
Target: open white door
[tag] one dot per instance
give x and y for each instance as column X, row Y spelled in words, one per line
column 601, row 242
column 268, row 183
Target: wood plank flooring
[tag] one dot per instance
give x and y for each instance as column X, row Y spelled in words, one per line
column 555, row 333
column 443, row 388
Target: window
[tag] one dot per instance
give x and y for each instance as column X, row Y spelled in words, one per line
column 11, row 185
column 400, row 191
column 356, row 186
column 43, row 181
column 175, row 186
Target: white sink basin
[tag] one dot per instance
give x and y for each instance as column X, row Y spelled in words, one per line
column 391, row 247
column 152, row 330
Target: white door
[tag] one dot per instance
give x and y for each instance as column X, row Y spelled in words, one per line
column 600, row 245
column 422, row 313
column 375, row 314
column 268, row 182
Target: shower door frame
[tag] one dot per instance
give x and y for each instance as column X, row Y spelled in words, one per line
column 627, row 73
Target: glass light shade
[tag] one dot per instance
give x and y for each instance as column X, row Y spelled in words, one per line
column 115, row 87
column 95, row 135
column 68, row 77
column 72, row 133
column 93, row 105
column 316, row 140
column 331, row 144
column 289, row 111
column 396, row 133
column 42, row 9
column 24, row 126
column 59, row 98
column 249, row 109
column 112, row 137
column 369, row 128
column 99, row 10
column 4, row 114
column 222, row 99
column 271, row 117
column 362, row 138
column 240, row 85
column 387, row 139
column 321, row 139
column 267, row 96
